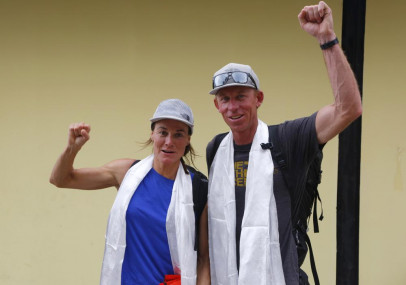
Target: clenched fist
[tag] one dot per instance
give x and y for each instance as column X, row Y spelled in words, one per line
column 78, row 134
column 317, row 20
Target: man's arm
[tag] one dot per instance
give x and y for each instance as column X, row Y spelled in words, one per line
column 317, row 20
column 65, row 176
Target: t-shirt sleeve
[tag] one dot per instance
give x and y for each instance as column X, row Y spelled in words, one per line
column 299, row 139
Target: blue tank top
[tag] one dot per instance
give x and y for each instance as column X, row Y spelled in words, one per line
column 147, row 258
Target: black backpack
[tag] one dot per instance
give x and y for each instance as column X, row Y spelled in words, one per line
column 200, row 188
column 302, row 207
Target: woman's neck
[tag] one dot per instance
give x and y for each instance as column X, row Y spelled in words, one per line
column 167, row 171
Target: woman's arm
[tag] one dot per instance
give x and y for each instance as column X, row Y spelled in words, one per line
column 64, row 175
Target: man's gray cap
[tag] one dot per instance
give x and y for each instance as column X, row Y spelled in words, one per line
column 232, row 67
column 174, row 109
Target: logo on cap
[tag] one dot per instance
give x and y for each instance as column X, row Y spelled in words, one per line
column 186, row 117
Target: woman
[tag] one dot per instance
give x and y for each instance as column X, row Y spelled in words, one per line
column 151, row 229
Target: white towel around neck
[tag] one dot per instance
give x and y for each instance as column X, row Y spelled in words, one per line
column 180, row 225
column 260, row 258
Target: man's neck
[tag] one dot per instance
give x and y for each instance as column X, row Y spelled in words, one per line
column 243, row 138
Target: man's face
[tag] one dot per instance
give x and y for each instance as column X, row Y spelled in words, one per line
column 238, row 106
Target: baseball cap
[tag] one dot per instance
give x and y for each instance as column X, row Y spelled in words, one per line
column 226, row 74
column 174, row 109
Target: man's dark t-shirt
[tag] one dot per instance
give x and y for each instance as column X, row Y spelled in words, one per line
column 299, row 143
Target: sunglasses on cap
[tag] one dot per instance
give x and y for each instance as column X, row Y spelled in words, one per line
column 237, row 77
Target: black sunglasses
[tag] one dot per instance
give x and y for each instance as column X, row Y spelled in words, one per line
column 236, row 76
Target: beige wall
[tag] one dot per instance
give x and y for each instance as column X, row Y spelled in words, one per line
column 109, row 63
column 383, row 184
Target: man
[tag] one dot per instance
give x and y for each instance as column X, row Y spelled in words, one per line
column 250, row 231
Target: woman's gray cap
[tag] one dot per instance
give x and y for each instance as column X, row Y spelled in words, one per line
column 233, row 67
column 174, row 109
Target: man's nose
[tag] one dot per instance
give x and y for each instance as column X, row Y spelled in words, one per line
column 233, row 105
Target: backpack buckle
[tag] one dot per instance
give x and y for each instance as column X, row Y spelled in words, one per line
column 266, row 146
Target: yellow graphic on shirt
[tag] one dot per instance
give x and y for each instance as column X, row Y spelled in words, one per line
column 240, row 168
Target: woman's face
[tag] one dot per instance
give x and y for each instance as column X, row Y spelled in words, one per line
column 170, row 138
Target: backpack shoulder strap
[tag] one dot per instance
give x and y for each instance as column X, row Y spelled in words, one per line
column 134, row 163
column 280, row 162
column 200, row 188
column 275, row 146
column 212, row 147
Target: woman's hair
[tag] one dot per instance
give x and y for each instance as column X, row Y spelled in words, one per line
column 189, row 155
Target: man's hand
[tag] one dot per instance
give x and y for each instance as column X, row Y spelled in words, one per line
column 317, row 20
column 78, row 134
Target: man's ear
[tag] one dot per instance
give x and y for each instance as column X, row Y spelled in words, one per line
column 260, row 98
column 216, row 103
